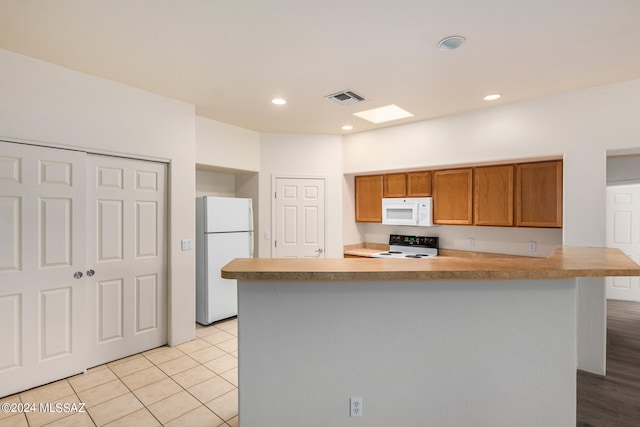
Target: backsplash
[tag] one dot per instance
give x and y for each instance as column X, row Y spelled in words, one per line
column 499, row 240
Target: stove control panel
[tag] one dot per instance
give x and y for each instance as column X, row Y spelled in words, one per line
column 414, row 241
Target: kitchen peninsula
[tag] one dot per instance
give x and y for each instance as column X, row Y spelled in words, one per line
column 442, row 341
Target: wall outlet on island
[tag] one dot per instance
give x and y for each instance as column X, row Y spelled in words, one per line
column 472, row 242
column 532, row 246
column 355, row 405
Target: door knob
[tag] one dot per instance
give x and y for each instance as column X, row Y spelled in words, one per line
column 319, row 250
column 77, row 275
column 90, row 273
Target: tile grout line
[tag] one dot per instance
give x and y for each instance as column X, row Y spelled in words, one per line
column 168, row 376
column 214, row 330
column 134, row 395
column 225, row 422
column 216, row 375
column 64, row 397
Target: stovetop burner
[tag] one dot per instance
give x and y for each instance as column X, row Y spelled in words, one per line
column 410, row 247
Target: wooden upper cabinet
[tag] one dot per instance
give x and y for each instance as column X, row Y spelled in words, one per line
column 493, row 195
column 453, row 196
column 419, row 184
column 395, row 185
column 524, row 195
column 539, row 194
column 368, row 196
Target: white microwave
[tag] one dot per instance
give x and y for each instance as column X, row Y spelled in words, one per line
column 413, row 211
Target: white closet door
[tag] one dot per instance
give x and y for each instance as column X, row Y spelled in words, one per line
column 42, row 229
column 126, row 249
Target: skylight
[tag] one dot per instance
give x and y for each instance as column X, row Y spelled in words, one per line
column 383, row 114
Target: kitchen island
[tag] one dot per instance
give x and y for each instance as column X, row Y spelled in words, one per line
column 435, row 342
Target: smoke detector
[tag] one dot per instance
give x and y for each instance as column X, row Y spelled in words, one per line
column 346, row 97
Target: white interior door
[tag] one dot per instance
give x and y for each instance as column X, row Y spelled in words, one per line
column 300, row 218
column 623, row 232
column 126, row 250
column 42, row 246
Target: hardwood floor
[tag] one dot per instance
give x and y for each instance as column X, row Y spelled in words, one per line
column 614, row 400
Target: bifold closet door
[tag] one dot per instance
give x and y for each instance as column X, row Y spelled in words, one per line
column 42, row 265
column 82, row 262
column 126, row 251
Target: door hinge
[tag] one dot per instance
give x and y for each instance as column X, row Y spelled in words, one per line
column 275, row 195
column 275, row 243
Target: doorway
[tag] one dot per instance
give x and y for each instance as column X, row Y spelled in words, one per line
column 623, row 232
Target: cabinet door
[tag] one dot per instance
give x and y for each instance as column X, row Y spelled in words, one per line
column 453, row 196
column 368, row 191
column 493, row 195
column 395, row 185
column 419, row 184
column 539, row 194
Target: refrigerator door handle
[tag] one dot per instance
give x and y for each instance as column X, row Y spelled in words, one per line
column 252, row 243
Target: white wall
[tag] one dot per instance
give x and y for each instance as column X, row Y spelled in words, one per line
column 295, row 156
column 210, row 183
column 48, row 104
column 577, row 122
column 579, row 126
column 228, row 161
column 222, row 145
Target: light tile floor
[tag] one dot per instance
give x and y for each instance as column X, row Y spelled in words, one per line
column 193, row 384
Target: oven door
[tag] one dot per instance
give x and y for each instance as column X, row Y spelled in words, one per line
column 399, row 213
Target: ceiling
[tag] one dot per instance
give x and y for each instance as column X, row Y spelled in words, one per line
column 229, row 58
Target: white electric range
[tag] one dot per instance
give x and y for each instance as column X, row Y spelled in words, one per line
column 410, row 247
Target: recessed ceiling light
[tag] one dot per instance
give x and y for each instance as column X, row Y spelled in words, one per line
column 347, row 127
column 451, row 43
column 492, row 97
column 278, row 101
column 384, row 114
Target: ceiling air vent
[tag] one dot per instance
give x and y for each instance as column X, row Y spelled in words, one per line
column 346, row 97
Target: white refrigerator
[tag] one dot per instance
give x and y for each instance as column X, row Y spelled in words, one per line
column 224, row 231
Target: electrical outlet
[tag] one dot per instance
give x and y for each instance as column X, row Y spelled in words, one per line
column 532, row 246
column 355, row 404
column 472, row 242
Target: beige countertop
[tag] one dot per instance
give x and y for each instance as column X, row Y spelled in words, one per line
column 365, row 249
column 564, row 262
column 369, row 249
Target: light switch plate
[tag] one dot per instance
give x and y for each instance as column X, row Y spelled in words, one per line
column 186, row 244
